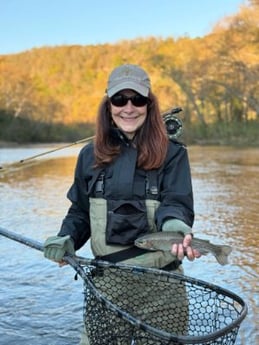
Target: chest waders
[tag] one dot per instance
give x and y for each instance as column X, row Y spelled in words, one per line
column 113, row 232
column 98, row 219
column 128, row 254
column 159, row 259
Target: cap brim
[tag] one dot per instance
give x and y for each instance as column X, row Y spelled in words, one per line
column 142, row 90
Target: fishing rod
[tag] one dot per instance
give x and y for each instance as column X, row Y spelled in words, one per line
column 172, row 123
column 25, row 160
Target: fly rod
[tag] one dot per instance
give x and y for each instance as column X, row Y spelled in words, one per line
column 25, row 160
column 173, row 125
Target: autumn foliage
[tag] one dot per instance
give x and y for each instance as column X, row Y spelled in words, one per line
column 213, row 78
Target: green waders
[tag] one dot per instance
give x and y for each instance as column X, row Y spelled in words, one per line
column 164, row 310
column 98, row 217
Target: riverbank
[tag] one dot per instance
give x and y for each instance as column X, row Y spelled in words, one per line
column 236, row 134
column 238, row 143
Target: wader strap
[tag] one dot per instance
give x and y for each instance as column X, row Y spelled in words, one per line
column 123, row 176
column 172, row 266
column 124, row 254
column 132, row 252
column 98, row 175
column 152, row 184
column 99, row 186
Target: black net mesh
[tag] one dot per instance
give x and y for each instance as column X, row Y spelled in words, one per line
column 145, row 307
column 127, row 305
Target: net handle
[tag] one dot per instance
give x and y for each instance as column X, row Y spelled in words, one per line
column 29, row 242
column 39, row 246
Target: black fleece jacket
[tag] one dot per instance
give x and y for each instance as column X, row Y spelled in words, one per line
column 127, row 183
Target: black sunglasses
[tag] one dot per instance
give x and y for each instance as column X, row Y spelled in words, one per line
column 120, row 100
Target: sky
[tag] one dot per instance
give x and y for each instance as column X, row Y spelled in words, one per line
column 27, row 24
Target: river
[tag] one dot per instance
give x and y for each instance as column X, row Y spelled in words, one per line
column 41, row 303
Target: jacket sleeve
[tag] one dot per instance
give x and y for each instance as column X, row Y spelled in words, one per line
column 176, row 193
column 76, row 223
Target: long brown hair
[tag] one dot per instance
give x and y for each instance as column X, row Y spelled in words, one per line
column 151, row 139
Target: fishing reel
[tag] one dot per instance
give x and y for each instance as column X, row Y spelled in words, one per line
column 173, row 124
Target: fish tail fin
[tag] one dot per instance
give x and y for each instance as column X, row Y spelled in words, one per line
column 222, row 254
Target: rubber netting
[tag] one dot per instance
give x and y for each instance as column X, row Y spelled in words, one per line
column 142, row 307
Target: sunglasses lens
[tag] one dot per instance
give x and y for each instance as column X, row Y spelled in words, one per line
column 139, row 101
column 120, row 100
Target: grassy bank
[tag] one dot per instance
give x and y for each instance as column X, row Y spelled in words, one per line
column 234, row 134
column 24, row 131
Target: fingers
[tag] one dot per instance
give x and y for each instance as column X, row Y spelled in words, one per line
column 196, row 253
column 54, row 254
column 185, row 249
column 187, row 240
column 178, row 250
column 62, row 263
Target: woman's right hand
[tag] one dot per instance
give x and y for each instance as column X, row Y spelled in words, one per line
column 55, row 247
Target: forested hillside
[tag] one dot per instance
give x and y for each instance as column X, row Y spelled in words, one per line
column 52, row 93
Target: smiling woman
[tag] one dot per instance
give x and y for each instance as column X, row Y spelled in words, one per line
column 129, row 116
column 130, row 181
column 128, row 89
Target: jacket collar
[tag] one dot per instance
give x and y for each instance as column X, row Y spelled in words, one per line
column 119, row 136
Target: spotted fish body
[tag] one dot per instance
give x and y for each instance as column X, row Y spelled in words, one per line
column 165, row 239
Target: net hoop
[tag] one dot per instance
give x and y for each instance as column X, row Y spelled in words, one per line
column 86, row 276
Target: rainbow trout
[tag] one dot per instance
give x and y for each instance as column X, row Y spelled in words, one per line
column 164, row 240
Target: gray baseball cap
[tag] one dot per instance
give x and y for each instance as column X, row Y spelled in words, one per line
column 128, row 77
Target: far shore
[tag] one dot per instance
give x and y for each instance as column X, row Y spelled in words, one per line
column 219, row 143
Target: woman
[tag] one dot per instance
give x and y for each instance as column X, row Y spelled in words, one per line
column 130, row 181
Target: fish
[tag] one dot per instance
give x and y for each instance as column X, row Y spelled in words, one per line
column 163, row 240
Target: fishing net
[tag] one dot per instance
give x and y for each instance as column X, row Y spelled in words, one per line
column 148, row 306
column 130, row 305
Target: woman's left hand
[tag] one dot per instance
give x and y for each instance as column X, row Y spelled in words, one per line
column 185, row 249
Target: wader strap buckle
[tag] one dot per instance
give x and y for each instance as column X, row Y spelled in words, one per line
column 152, row 184
column 99, row 186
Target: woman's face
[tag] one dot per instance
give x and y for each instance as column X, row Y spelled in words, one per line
column 129, row 118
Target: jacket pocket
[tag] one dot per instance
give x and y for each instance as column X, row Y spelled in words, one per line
column 126, row 220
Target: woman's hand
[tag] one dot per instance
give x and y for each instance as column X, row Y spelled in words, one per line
column 185, row 249
column 55, row 247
